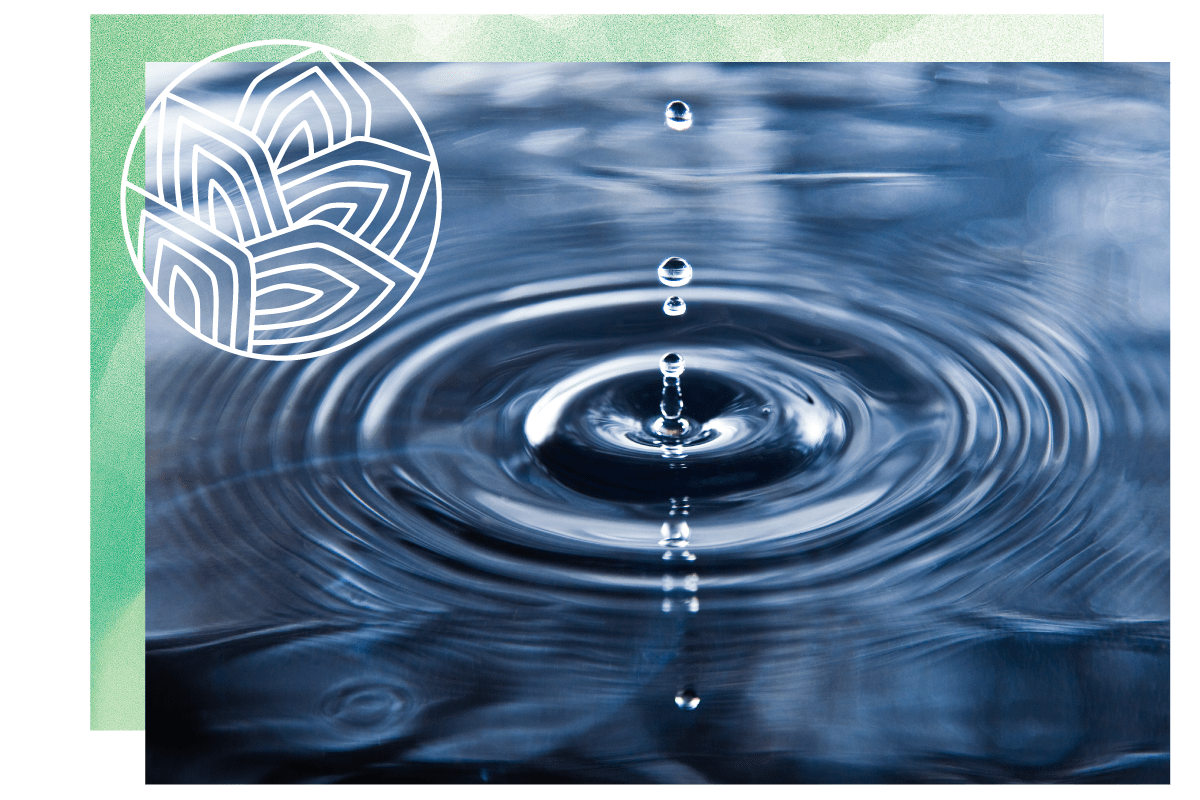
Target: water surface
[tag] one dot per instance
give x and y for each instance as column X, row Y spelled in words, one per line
column 927, row 542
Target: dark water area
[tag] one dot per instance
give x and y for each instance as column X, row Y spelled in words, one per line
column 920, row 532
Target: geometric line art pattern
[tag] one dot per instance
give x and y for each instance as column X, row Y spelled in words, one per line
column 289, row 208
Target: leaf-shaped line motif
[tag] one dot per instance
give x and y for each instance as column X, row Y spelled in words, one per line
column 281, row 223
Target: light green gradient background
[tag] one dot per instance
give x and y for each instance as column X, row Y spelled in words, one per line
column 122, row 44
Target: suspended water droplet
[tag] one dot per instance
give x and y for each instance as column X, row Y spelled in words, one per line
column 671, row 365
column 687, row 699
column 679, row 116
column 674, row 306
column 675, row 272
column 766, row 411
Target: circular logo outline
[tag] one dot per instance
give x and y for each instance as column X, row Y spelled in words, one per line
column 306, row 49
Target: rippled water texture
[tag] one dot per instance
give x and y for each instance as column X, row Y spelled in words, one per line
column 918, row 528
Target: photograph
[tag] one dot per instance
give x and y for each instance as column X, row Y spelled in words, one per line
column 664, row 422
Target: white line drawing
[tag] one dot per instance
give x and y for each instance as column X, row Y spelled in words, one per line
column 287, row 230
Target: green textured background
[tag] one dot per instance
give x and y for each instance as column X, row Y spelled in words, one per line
column 122, row 44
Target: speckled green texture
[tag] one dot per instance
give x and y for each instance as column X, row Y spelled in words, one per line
column 118, row 508
column 117, row 677
column 996, row 37
column 122, row 44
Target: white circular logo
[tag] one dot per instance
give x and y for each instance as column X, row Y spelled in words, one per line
column 290, row 208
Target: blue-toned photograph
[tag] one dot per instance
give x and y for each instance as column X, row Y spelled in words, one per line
column 655, row 423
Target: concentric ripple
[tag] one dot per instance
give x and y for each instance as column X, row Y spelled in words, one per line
column 594, row 430
column 507, row 435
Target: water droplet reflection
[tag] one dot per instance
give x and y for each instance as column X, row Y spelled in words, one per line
column 674, row 532
column 679, row 116
column 687, row 699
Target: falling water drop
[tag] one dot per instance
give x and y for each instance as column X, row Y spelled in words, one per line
column 674, row 306
column 679, row 116
column 687, row 699
column 671, row 365
column 675, row 272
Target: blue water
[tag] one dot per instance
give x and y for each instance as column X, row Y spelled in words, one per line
column 927, row 540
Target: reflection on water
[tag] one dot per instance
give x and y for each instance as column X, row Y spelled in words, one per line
column 916, row 529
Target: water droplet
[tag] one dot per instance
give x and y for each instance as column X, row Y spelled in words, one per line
column 679, row 116
column 693, row 605
column 766, row 411
column 675, row 272
column 671, row 365
column 687, row 699
column 666, row 605
column 674, row 306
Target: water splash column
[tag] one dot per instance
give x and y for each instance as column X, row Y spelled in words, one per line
column 672, row 426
